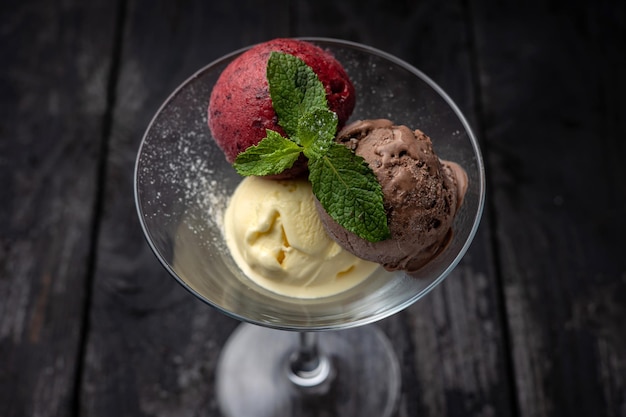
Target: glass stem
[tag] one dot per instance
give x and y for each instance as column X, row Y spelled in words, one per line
column 308, row 369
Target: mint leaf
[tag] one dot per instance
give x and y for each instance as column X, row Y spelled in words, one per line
column 294, row 88
column 349, row 192
column 271, row 156
column 342, row 181
column 316, row 130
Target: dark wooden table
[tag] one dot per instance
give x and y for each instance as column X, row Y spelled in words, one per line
column 530, row 324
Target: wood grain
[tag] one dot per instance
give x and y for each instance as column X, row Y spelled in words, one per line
column 552, row 94
column 53, row 79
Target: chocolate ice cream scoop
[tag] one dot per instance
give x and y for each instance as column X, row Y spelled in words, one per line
column 421, row 194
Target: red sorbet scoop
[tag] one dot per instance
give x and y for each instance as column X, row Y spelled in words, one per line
column 240, row 108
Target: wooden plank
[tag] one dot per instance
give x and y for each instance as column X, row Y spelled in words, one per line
column 553, row 88
column 153, row 347
column 451, row 343
column 53, row 83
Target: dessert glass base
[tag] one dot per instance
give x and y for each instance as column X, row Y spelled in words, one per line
column 260, row 382
column 182, row 187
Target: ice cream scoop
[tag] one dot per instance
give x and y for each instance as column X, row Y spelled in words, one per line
column 240, row 108
column 274, row 234
column 421, row 194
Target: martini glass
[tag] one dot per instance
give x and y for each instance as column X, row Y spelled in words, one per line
column 291, row 356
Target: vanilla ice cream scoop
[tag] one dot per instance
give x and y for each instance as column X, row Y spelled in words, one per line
column 275, row 235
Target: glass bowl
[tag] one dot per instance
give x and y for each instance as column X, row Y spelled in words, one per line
column 183, row 184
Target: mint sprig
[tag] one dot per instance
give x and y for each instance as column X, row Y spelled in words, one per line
column 341, row 180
